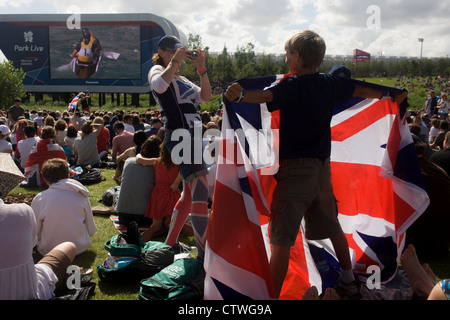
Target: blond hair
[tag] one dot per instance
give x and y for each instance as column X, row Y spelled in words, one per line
column 310, row 46
column 157, row 59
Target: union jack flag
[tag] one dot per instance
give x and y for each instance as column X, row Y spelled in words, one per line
column 44, row 150
column 376, row 179
column 73, row 104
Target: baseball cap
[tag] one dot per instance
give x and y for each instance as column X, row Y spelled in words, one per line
column 4, row 130
column 169, row 42
column 341, row 71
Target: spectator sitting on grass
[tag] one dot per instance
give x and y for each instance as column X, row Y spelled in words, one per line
column 63, row 212
column 86, row 147
column 44, row 150
column 21, row 278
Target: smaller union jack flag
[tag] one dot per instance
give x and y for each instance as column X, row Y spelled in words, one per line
column 73, row 104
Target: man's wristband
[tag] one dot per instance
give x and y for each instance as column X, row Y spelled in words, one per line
column 203, row 73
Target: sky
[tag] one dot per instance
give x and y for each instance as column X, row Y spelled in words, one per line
column 385, row 27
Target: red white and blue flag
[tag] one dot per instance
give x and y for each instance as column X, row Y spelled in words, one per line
column 376, row 179
column 73, row 104
column 44, row 150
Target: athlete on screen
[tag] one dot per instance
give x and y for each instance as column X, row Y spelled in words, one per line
column 88, row 49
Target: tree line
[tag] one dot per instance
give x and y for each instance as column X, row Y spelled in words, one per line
column 243, row 63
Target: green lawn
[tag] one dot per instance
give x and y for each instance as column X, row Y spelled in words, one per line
column 416, row 94
column 416, row 99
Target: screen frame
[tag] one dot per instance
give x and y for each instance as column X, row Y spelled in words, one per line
column 143, row 20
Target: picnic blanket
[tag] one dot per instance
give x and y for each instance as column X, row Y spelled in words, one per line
column 123, row 228
column 186, row 230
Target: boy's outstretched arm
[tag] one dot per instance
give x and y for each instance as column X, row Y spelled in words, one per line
column 235, row 91
column 365, row 92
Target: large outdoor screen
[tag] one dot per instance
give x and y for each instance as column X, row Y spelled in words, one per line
column 105, row 53
column 118, row 54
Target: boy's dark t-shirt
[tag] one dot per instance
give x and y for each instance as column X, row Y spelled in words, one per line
column 306, row 106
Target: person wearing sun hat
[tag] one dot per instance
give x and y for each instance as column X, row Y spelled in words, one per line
column 177, row 97
column 5, row 146
column 20, row 278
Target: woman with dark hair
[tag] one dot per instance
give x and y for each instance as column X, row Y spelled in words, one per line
column 177, row 96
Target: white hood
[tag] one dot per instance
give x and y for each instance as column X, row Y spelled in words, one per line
column 70, row 185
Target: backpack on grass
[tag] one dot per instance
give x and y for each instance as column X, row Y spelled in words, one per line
column 130, row 259
column 90, row 176
column 182, row 280
column 110, row 196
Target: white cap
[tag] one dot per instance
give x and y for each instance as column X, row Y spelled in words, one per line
column 4, row 130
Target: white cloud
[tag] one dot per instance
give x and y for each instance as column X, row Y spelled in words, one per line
column 268, row 24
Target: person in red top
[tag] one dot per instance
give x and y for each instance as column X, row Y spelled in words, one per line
column 122, row 141
column 165, row 193
column 102, row 139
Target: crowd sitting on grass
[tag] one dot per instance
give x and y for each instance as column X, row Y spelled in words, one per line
column 95, row 139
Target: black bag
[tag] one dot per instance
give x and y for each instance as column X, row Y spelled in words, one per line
column 90, row 176
column 83, row 293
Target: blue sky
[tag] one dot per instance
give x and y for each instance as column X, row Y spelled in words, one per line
column 344, row 24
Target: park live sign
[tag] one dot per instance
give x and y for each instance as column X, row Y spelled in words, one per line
column 105, row 53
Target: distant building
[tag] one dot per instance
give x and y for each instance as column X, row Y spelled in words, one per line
column 360, row 56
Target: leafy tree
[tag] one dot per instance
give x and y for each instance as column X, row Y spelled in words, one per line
column 245, row 63
column 194, row 42
column 266, row 66
column 11, row 84
column 224, row 71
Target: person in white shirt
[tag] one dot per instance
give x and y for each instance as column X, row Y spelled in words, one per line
column 20, row 277
column 40, row 119
column 24, row 146
column 63, row 211
column 127, row 122
column 444, row 106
